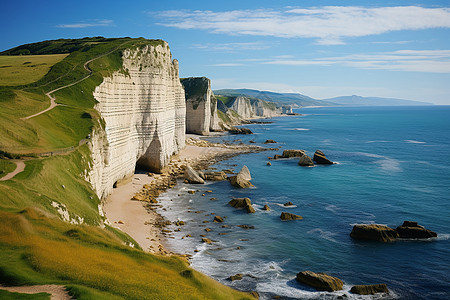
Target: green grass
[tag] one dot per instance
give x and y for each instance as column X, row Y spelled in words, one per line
column 225, row 99
column 5, row 295
column 6, row 167
column 20, row 70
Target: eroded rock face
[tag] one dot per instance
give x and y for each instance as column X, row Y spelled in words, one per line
column 374, row 232
column 242, row 179
column 201, row 106
column 320, row 281
column 369, row 289
column 192, row 176
column 412, row 230
column 143, row 108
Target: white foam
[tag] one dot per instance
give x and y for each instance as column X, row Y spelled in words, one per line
column 324, row 234
column 381, row 141
column 301, row 129
column 414, row 142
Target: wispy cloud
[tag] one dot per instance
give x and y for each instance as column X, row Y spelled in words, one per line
column 227, row 65
column 93, row 23
column 329, row 25
column 432, row 61
column 231, row 47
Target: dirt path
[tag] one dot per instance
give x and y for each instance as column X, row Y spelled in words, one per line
column 53, row 103
column 20, row 166
column 58, row 292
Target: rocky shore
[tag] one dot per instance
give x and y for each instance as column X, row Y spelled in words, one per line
column 132, row 205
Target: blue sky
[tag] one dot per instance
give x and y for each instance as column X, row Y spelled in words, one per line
column 322, row 49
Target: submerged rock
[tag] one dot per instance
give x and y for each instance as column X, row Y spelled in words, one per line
column 288, row 204
column 369, row 289
column 270, row 142
column 242, row 180
column 306, row 161
column 266, row 207
column 285, row 216
column 218, row 219
column 241, row 130
column 192, row 176
column 373, row 232
column 242, row 203
column 320, row 281
column 412, row 230
column 321, row 159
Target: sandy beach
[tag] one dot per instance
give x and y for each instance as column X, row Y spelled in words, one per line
column 137, row 218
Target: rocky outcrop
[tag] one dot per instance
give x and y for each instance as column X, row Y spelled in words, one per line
column 290, row 154
column 412, row 230
column 321, row 159
column 242, row 106
column 287, row 109
column 143, row 110
column 306, row 161
column 236, row 277
column 369, row 289
column 240, row 130
column 242, row 180
column 320, row 281
column 373, row 232
column 264, row 109
column 192, row 176
column 285, row 216
column 215, row 176
column 245, row 203
column 201, row 106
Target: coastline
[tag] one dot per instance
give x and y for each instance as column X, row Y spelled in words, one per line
column 132, row 204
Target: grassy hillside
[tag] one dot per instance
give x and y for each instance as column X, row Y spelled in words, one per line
column 36, row 246
column 24, row 69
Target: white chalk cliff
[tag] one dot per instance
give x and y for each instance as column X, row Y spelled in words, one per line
column 201, row 106
column 143, row 108
column 253, row 108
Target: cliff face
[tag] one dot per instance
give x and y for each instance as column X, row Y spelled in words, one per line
column 201, row 106
column 263, row 108
column 242, row 107
column 247, row 108
column 144, row 111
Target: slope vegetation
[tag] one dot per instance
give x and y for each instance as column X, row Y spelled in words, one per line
column 51, row 230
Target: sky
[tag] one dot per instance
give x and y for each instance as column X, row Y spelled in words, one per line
column 322, row 49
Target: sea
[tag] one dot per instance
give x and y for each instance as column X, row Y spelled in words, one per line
column 392, row 165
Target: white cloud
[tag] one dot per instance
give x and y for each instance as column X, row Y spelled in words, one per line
column 226, row 65
column 430, row 61
column 330, row 25
column 94, row 23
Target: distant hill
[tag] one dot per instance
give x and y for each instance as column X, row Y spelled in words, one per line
column 302, row 100
column 280, row 98
column 373, row 101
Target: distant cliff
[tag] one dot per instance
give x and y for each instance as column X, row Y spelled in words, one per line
column 143, row 108
column 201, row 106
column 235, row 110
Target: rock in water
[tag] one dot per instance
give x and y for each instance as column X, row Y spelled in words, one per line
column 236, row 277
column 241, row 130
column 412, row 230
column 242, row 203
column 320, row 281
column 192, row 176
column 266, row 207
column 218, row 219
column 242, row 179
column 369, row 289
column 288, row 204
column 288, row 216
column 373, row 232
column 270, row 142
column 215, row 176
column 306, row 161
column 321, row 159
column 293, row 153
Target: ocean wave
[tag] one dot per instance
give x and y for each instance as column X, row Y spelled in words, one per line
column 386, row 163
column 324, row 234
column 282, row 205
column 414, row 142
column 369, row 142
column 301, row 129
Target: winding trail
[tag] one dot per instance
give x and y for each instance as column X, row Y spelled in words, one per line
column 53, row 103
column 57, row 292
column 20, row 166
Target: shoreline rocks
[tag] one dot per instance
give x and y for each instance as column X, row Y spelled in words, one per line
column 320, row 281
column 242, row 180
column 374, row 232
column 285, row 216
column 383, row 233
column 369, row 289
column 321, row 159
column 192, row 176
column 242, row 203
column 306, row 161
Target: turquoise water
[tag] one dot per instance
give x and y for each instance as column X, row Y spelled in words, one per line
column 393, row 165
